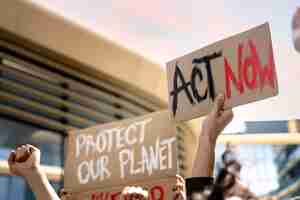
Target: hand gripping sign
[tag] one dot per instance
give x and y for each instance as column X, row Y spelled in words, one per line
column 102, row 160
column 241, row 67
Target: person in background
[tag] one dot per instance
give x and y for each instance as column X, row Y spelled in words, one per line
column 229, row 158
column 25, row 162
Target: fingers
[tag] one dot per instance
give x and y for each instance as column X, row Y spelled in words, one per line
column 12, row 158
column 218, row 104
column 26, row 157
column 11, row 162
column 226, row 117
column 22, row 153
column 32, row 148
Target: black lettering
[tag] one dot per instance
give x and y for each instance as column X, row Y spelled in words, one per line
column 210, row 81
column 176, row 90
column 197, row 72
column 185, row 85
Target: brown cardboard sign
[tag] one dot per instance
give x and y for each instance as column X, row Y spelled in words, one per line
column 157, row 190
column 139, row 149
column 241, row 67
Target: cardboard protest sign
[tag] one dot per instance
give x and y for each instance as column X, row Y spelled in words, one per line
column 122, row 153
column 157, row 190
column 241, row 67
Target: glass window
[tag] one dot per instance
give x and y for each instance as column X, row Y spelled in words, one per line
column 15, row 133
column 15, row 188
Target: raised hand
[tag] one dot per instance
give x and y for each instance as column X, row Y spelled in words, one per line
column 217, row 119
column 24, row 161
column 134, row 193
column 213, row 125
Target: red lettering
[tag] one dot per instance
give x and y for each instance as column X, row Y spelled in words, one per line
column 115, row 195
column 267, row 73
column 252, row 62
column 101, row 196
column 157, row 193
column 229, row 75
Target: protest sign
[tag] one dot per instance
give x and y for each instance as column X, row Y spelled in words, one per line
column 157, row 190
column 122, row 153
column 241, row 67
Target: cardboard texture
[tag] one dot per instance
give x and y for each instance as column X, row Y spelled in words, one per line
column 157, row 190
column 241, row 67
column 126, row 152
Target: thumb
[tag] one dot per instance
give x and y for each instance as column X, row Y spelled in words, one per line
column 218, row 104
column 226, row 118
column 35, row 156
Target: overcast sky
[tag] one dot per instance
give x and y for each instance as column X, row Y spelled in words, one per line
column 165, row 29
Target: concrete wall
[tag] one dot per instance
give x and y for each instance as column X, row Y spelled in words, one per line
column 124, row 67
column 91, row 53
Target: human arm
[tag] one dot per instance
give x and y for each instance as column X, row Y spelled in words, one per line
column 203, row 166
column 25, row 162
column 213, row 125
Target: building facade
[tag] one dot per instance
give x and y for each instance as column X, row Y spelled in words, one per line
column 286, row 158
column 56, row 75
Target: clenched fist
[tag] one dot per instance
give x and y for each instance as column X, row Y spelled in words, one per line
column 24, row 161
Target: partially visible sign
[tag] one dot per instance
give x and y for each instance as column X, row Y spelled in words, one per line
column 157, row 190
column 126, row 152
column 296, row 29
column 241, row 67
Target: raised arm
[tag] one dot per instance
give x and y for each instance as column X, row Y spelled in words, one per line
column 213, row 125
column 25, row 162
